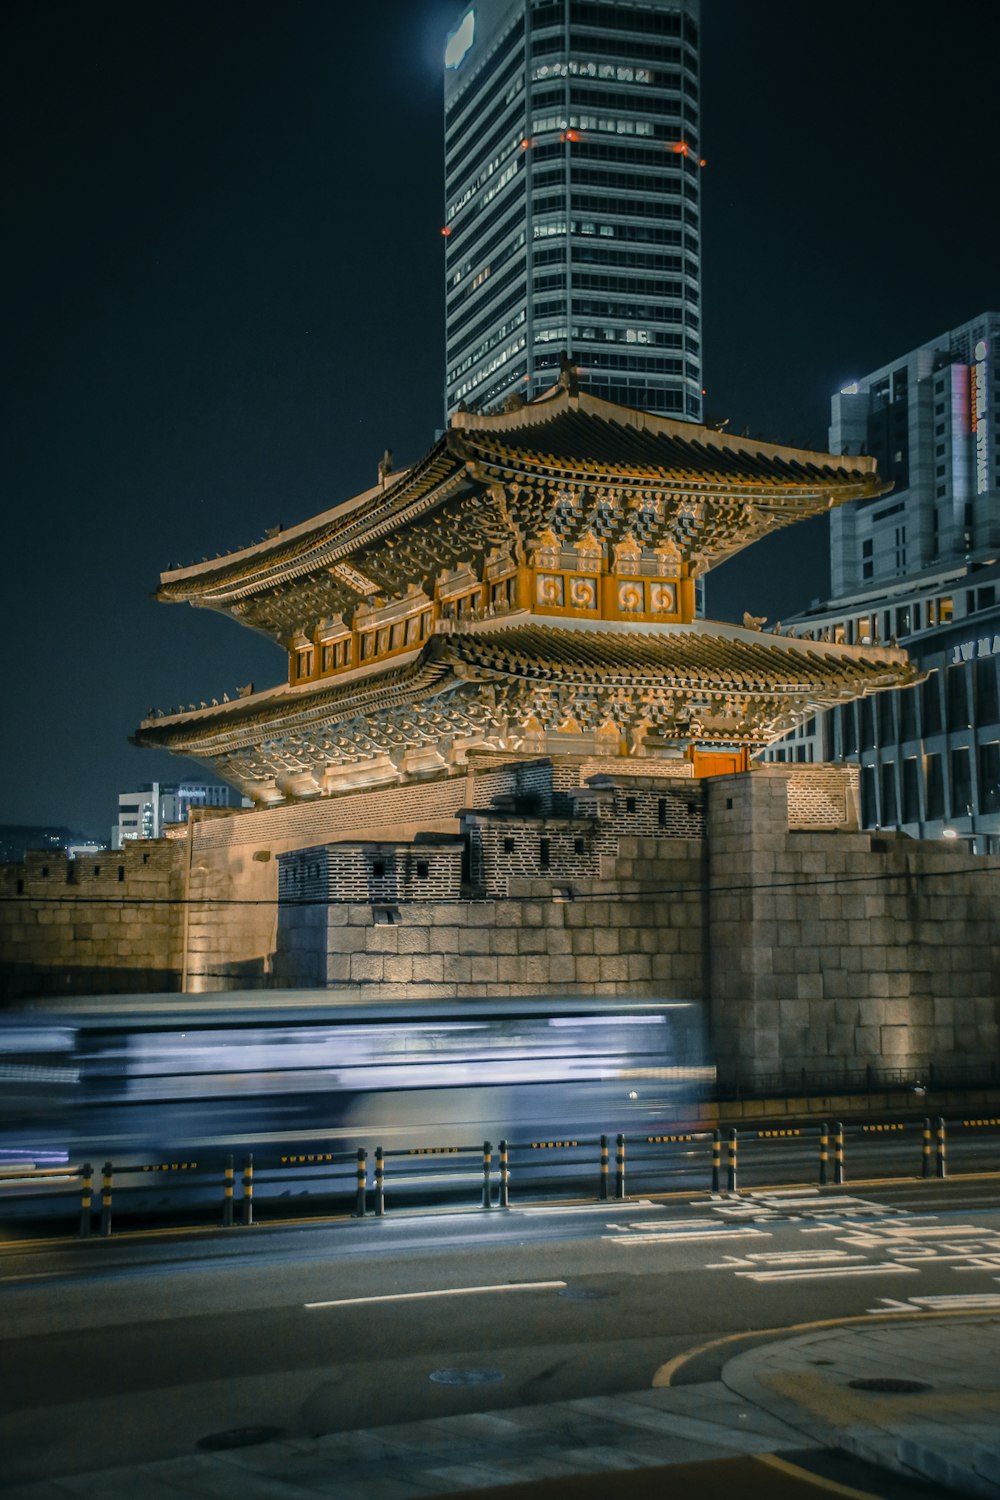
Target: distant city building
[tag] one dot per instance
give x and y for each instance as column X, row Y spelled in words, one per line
column 16, row 839
column 572, row 201
column 145, row 813
column 919, row 566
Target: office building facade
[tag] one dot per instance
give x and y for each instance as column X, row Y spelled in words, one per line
column 572, row 202
column 146, row 812
column 920, row 566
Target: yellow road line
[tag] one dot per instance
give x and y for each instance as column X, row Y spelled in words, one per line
column 819, row 1481
column 664, row 1376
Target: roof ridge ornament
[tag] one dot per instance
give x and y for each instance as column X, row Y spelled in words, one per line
column 569, row 375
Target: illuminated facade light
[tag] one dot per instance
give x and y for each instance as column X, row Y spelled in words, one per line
column 460, row 41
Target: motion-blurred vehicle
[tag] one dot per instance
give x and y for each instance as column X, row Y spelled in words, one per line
column 139, row 1076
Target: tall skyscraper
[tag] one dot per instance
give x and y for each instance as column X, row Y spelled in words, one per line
column 572, row 201
column 920, row 565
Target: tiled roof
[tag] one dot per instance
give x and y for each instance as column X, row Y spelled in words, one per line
column 706, row 654
column 576, row 438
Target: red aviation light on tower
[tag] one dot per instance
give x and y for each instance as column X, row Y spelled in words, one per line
column 682, row 148
column 446, row 230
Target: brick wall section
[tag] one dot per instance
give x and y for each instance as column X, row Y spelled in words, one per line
column 304, row 824
column 504, row 846
column 631, row 940
column 840, row 950
column 823, row 797
column 107, row 923
column 376, row 872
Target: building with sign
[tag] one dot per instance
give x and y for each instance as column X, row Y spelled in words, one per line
column 572, row 201
column 919, row 566
column 148, row 811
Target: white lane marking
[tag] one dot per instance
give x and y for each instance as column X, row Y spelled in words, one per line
column 787, row 1195
column 586, row 1208
column 826, row 1272
column 671, row 1237
column 661, row 1225
column 448, row 1291
column 787, row 1258
column 955, row 1301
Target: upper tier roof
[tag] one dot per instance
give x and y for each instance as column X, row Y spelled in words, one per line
column 567, row 463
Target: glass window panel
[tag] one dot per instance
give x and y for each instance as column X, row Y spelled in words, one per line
column 934, row 779
column 961, row 783
column 869, row 807
column 989, row 777
column 932, row 704
column 889, row 811
column 987, row 710
column 908, row 714
column 850, row 729
column 957, row 686
column 911, row 792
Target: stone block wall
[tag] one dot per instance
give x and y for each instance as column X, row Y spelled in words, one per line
column 818, row 950
column 635, row 934
column 101, row 924
column 833, row 952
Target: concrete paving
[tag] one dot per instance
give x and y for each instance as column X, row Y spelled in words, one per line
column 787, row 1395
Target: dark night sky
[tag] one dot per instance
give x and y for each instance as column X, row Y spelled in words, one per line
column 223, row 293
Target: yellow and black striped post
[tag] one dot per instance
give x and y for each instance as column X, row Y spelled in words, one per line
column 824, row 1152
column 604, row 1169
column 106, row 1200
column 716, row 1159
column 86, row 1195
column 504, row 1177
column 942, row 1149
column 248, row 1188
column 838, row 1153
column 360, row 1208
column 733, row 1148
column 925, row 1150
column 487, row 1174
column 379, row 1183
column 227, row 1195
column 620, row 1167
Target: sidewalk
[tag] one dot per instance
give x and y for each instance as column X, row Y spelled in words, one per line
column 791, row 1394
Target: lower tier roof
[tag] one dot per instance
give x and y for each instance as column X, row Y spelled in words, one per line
column 525, row 683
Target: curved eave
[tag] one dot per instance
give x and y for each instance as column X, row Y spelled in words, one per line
column 708, row 656
column 317, row 542
column 783, row 485
column 246, row 721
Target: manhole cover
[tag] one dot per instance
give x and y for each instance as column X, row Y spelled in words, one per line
column 888, row 1385
column 582, row 1293
column 239, row 1437
column 466, row 1377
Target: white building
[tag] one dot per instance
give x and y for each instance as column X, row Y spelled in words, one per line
column 143, row 814
column 572, row 212
column 920, row 565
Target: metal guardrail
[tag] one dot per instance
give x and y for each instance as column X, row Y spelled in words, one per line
column 364, row 1185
